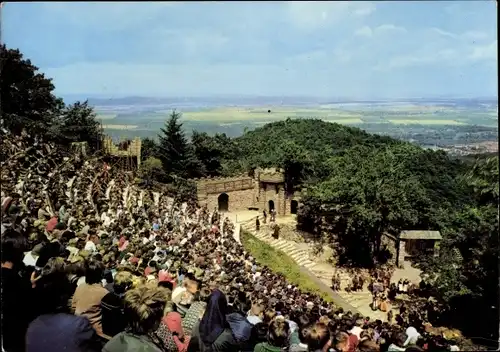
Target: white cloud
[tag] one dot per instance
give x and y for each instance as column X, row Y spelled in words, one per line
column 368, row 32
column 311, row 15
column 365, row 10
column 443, row 33
column 109, row 15
column 446, row 56
column 485, row 52
column 342, row 56
column 460, row 55
column 364, row 31
column 475, row 35
column 389, row 28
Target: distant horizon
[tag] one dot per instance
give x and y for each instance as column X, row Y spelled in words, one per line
column 349, row 50
column 247, row 96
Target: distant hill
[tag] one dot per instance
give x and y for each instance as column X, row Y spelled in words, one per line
column 275, row 101
column 267, row 145
column 205, row 101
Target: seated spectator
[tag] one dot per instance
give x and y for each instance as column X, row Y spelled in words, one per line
column 278, row 336
column 31, row 257
column 108, row 280
column 412, row 336
column 113, row 318
column 368, row 346
column 195, row 311
column 256, row 313
column 172, row 334
column 398, row 343
column 56, row 329
column 317, row 338
column 240, row 326
column 212, row 333
column 87, row 297
column 341, row 342
column 144, row 307
column 298, row 341
column 92, row 241
column 76, row 271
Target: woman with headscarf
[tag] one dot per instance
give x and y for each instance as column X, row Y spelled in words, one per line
column 213, row 334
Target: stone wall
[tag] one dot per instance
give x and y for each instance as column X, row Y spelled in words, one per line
column 402, row 252
column 238, row 200
column 246, row 192
column 133, row 150
column 271, row 192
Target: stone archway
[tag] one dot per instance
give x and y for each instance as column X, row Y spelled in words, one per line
column 223, row 202
column 271, row 205
column 294, row 205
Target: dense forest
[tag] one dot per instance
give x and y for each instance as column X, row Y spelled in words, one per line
column 354, row 185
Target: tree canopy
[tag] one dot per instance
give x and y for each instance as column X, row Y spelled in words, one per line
column 29, row 103
column 175, row 151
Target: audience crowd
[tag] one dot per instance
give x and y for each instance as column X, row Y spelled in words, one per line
column 90, row 262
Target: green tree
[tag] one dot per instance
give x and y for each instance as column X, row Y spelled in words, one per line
column 152, row 170
column 465, row 275
column 175, row 152
column 27, row 95
column 367, row 194
column 149, row 148
column 209, row 152
column 77, row 123
column 295, row 162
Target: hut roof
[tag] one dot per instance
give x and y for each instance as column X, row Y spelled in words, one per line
column 420, row 235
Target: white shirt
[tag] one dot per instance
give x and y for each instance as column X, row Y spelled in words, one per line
column 413, row 336
column 356, row 331
column 29, row 259
column 90, row 246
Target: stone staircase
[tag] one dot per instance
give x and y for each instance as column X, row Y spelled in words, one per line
column 292, row 249
column 358, row 300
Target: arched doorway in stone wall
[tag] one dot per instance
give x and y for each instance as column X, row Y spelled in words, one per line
column 294, row 205
column 271, row 205
column 223, row 202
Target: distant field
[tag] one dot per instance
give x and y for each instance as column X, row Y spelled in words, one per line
column 253, row 114
column 230, row 119
column 426, row 122
column 101, row 116
column 120, row 127
column 345, row 121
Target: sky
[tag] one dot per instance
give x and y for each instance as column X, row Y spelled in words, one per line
column 355, row 50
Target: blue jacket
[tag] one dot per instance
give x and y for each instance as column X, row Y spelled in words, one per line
column 61, row 332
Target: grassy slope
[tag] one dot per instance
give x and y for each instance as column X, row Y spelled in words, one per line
column 279, row 262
